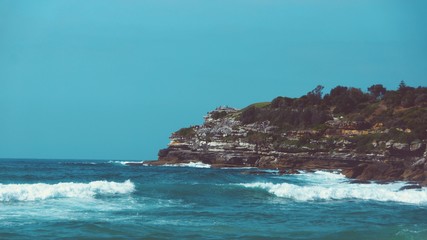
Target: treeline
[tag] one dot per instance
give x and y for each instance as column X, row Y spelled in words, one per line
column 315, row 108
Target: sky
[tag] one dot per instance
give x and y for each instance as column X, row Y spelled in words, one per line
column 112, row 79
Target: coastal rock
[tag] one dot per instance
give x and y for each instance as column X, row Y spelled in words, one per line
column 360, row 182
column 417, row 146
column 348, row 125
column 419, row 163
column 349, row 146
column 415, row 149
column 378, row 171
column 407, row 187
column 400, row 147
column 163, row 152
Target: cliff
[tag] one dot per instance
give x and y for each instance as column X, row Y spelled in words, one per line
column 368, row 136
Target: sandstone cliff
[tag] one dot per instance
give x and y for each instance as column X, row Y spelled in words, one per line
column 365, row 147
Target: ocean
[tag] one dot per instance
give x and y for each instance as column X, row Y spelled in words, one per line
column 85, row 199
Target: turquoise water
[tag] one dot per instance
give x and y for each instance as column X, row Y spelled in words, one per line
column 53, row 199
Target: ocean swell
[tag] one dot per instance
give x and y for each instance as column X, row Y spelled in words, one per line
column 42, row 191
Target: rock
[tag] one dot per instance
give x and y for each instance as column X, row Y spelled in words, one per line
column 416, row 146
column 419, row 163
column 407, row 150
column 163, row 152
column 236, row 160
column 135, row 164
column 378, row 171
column 360, row 182
column 375, row 144
column 389, row 144
column 356, row 171
column 257, row 172
column 407, row 187
column 288, row 171
column 401, row 146
column 348, row 125
column 223, row 140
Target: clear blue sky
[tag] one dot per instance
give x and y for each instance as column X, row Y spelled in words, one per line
column 106, row 79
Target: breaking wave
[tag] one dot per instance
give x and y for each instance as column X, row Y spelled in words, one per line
column 322, row 186
column 190, row 164
column 42, row 191
column 126, row 163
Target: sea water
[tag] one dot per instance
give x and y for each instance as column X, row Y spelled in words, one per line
column 78, row 199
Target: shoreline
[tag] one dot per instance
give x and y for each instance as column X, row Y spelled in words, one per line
column 359, row 167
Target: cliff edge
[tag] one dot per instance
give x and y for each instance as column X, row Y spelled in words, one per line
column 377, row 135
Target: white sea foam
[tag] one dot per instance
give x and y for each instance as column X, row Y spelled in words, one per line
column 239, row 168
column 125, row 163
column 190, row 164
column 42, row 191
column 321, row 177
column 332, row 186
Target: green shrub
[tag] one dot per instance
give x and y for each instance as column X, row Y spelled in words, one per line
column 364, row 142
column 186, row 132
column 218, row 114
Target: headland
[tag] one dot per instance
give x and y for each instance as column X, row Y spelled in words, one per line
column 376, row 135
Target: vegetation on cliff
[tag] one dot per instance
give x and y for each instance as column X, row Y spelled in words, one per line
column 399, row 115
column 402, row 108
column 345, row 119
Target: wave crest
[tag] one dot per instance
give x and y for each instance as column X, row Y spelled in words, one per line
column 190, row 164
column 374, row 192
column 126, row 163
column 42, row 191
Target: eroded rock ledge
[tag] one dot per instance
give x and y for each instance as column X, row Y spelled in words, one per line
column 361, row 167
column 364, row 149
column 223, row 140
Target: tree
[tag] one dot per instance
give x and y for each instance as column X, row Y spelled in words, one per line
column 338, row 91
column 281, row 102
column 402, row 85
column 404, row 89
column 420, row 99
column 407, row 95
column 357, row 95
column 249, row 115
column 334, row 96
column 315, row 96
column 392, row 98
column 377, row 91
column 345, row 104
column 305, row 117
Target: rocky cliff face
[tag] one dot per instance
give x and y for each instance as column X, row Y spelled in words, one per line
column 223, row 140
